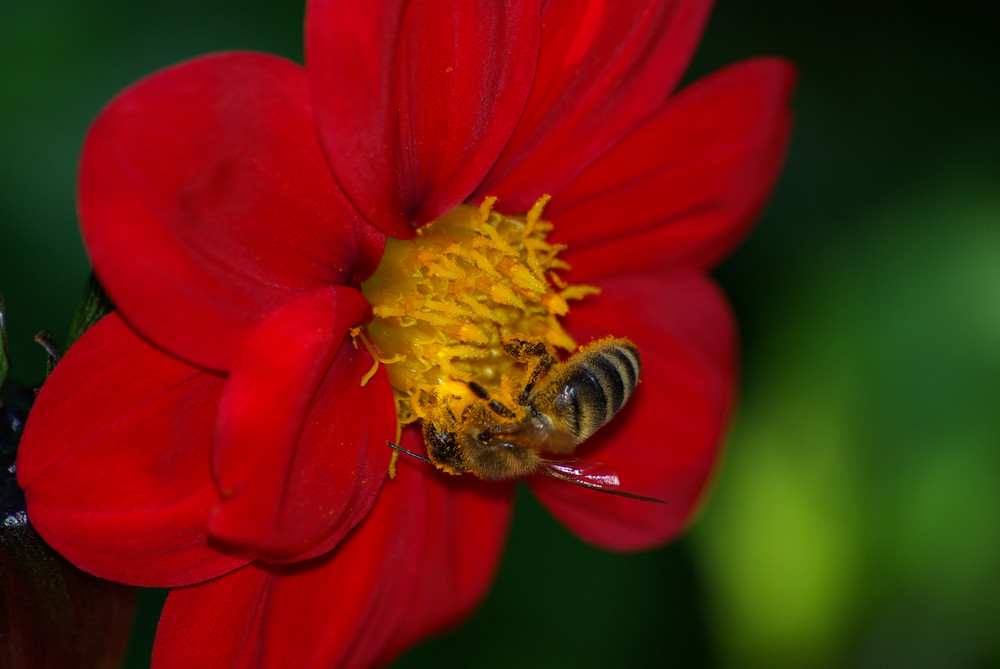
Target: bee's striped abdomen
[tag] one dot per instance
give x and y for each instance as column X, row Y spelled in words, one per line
column 594, row 385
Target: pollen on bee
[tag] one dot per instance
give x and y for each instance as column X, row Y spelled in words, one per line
column 444, row 300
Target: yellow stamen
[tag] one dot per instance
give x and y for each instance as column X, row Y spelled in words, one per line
column 444, row 300
column 357, row 334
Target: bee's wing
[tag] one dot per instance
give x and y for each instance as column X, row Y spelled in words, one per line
column 589, row 474
column 561, row 442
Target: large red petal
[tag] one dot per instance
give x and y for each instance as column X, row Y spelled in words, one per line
column 214, row 624
column 685, row 187
column 115, row 461
column 603, row 67
column 350, row 55
column 206, row 202
column 468, row 521
column 416, row 99
column 464, row 72
column 665, row 442
column 343, row 609
column 300, row 448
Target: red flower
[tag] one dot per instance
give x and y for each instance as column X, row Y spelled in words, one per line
column 213, row 432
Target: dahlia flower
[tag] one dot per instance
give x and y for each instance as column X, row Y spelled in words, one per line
column 309, row 262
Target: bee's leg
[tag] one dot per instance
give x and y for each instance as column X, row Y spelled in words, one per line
column 536, row 354
column 494, row 405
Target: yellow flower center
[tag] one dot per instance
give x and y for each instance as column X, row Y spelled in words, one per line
column 445, row 300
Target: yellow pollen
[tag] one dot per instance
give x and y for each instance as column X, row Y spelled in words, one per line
column 445, row 300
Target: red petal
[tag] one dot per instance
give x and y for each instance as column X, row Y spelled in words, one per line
column 350, row 53
column 423, row 89
column 300, row 445
column 686, row 186
column 115, row 461
column 343, row 609
column 464, row 75
column 214, row 624
column 206, row 202
column 603, row 68
column 468, row 521
column 664, row 443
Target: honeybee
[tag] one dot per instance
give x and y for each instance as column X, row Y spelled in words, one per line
column 559, row 406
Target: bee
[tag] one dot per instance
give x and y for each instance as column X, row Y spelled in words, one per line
column 558, row 407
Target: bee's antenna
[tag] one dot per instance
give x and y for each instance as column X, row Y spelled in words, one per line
column 410, row 453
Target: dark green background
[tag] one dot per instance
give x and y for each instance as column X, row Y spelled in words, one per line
column 856, row 517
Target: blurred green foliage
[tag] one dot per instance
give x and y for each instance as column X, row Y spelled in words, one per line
column 856, row 518
column 860, row 501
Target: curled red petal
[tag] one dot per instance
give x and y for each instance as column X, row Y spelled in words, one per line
column 114, row 461
column 343, row 609
column 665, row 441
column 603, row 67
column 206, row 202
column 416, row 99
column 685, row 187
column 299, row 444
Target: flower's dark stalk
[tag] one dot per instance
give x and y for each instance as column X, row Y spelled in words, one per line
column 51, row 613
column 47, row 340
column 96, row 304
